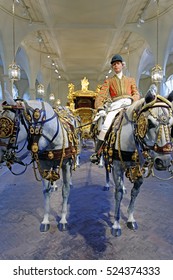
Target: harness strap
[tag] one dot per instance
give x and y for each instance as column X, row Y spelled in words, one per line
column 57, row 154
column 126, row 156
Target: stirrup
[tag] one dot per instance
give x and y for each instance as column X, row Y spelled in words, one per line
column 94, row 158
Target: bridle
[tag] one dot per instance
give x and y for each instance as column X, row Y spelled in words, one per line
column 9, row 130
column 10, row 127
column 141, row 125
column 141, row 157
column 33, row 121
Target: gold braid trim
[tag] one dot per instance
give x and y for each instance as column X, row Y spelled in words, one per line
column 150, row 104
column 119, row 147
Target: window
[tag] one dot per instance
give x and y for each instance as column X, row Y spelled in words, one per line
column 1, row 97
column 169, row 85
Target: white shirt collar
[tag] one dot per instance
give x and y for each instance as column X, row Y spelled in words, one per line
column 119, row 75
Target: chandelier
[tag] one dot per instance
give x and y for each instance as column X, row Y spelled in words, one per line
column 157, row 72
column 40, row 89
column 58, row 102
column 51, row 97
column 14, row 69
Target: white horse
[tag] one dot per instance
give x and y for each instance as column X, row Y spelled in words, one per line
column 66, row 113
column 96, row 127
column 143, row 142
column 51, row 141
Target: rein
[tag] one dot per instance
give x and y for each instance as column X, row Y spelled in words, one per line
column 83, row 125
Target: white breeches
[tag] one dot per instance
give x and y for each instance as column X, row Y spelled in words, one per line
column 115, row 107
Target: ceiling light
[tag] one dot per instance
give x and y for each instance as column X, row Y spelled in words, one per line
column 51, row 97
column 40, row 89
column 157, row 72
column 58, row 102
column 14, row 69
column 141, row 20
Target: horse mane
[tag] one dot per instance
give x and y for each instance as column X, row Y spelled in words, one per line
column 136, row 106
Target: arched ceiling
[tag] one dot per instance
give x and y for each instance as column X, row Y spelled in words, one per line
column 81, row 36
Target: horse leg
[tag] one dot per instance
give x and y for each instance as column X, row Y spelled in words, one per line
column 106, row 187
column 78, row 160
column 54, row 187
column 101, row 163
column 45, row 224
column 131, row 223
column 66, row 173
column 117, row 173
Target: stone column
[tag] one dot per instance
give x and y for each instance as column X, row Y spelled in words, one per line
column 32, row 92
column 6, row 85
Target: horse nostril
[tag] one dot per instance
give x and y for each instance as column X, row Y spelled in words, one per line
column 158, row 163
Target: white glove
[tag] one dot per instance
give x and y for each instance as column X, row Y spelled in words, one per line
column 102, row 113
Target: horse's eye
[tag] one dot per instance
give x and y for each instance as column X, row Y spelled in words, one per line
column 172, row 131
column 150, row 124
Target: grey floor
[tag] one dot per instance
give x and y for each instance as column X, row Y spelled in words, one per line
column 90, row 217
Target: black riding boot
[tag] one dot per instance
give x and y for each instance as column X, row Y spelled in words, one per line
column 95, row 158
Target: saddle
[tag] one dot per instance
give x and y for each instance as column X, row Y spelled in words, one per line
column 110, row 138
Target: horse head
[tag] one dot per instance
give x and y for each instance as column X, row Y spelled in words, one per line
column 12, row 132
column 153, row 127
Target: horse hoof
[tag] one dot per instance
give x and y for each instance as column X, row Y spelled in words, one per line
column 62, row 227
column 105, row 188
column 116, row 232
column 54, row 189
column 44, row 227
column 132, row 225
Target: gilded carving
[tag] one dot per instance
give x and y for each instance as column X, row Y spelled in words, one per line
column 81, row 102
column 84, row 84
column 142, row 125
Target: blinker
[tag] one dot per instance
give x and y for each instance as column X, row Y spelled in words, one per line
column 6, row 127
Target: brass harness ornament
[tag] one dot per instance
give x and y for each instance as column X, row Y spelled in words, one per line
column 6, row 127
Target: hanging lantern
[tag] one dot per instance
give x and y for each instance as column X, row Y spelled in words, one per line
column 157, row 74
column 40, row 89
column 156, row 71
column 14, row 69
column 14, row 72
column 58, row 102
column 52, row 97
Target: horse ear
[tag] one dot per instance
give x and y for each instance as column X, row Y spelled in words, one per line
column 151, row 93
column 9, row 98
column 170, row 97
column 136, row 106
column 150, row 96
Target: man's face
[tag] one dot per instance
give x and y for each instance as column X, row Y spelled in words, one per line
column 117, row 66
